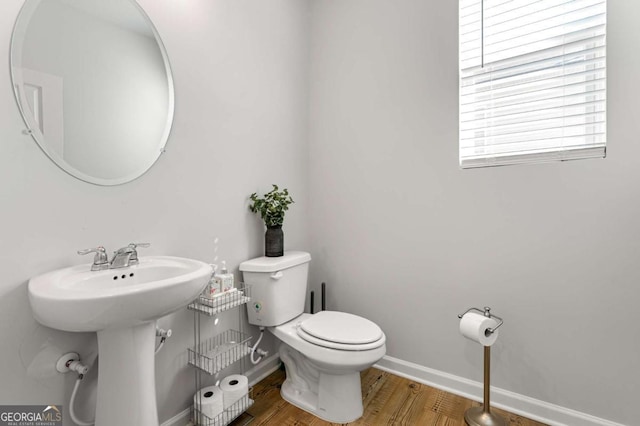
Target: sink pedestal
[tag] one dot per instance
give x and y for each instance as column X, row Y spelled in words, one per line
column 126, row 376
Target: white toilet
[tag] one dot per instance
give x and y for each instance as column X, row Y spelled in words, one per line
column 323, row 353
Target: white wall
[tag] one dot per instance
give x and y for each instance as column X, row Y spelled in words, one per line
column 240, row 70
column 406, row 238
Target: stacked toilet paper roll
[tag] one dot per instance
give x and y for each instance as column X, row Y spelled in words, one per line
column 234, row 387
column 476, row 327
column 209, row 401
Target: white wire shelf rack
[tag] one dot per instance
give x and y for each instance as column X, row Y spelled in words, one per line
column 217, row 353
column 223, row 302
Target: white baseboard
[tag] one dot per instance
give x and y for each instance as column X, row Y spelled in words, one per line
column 181, row 419
column 255, row 375
column 525, row 406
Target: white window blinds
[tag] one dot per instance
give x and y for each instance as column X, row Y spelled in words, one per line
column 532, row 81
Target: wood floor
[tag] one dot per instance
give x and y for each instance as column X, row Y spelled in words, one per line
column 388, row 400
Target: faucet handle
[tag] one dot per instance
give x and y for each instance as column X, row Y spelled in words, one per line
column 100, row 250
column 135, row 245
column 134, row 253
column 100, row 260
column 131, row 248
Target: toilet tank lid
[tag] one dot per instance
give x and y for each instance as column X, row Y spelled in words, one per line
column 273, row 264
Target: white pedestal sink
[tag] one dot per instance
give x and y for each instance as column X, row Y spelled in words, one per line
column 122, row 306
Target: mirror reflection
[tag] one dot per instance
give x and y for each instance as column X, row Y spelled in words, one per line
column 93, row 83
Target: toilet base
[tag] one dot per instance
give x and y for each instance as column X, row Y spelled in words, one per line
column 336, row 398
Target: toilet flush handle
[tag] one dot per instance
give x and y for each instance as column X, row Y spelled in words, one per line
column 277, row 275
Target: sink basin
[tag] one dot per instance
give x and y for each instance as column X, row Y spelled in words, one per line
column 122, row 306
column 77, row 299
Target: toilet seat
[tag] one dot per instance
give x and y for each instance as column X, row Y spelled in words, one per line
column 342, row 331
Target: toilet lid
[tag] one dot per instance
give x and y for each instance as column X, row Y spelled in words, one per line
column 341, row 330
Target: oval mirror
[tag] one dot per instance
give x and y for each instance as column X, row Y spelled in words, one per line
column 93, row 83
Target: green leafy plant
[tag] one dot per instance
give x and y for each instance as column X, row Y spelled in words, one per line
column 272, row 206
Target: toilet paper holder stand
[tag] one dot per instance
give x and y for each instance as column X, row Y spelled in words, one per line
column 482, row 416
column 487, row 313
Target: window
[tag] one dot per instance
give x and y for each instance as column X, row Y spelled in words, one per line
column 532, row 81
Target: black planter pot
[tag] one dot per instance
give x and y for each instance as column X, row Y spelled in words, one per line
column 274, row 241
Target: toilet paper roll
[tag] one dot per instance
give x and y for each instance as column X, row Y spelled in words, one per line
column 209, row 401
column 233, row 388
column 475, row 327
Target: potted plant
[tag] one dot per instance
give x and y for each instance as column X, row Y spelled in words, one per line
column 272, row 207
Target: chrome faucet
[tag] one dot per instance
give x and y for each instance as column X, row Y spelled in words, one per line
column 126, row 256
column 123, row 257
column 100, row 260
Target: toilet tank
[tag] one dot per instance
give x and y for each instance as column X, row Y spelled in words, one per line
column 277, row 286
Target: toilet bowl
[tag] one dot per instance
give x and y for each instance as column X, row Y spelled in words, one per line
column 324, row 380
column 323, row 353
